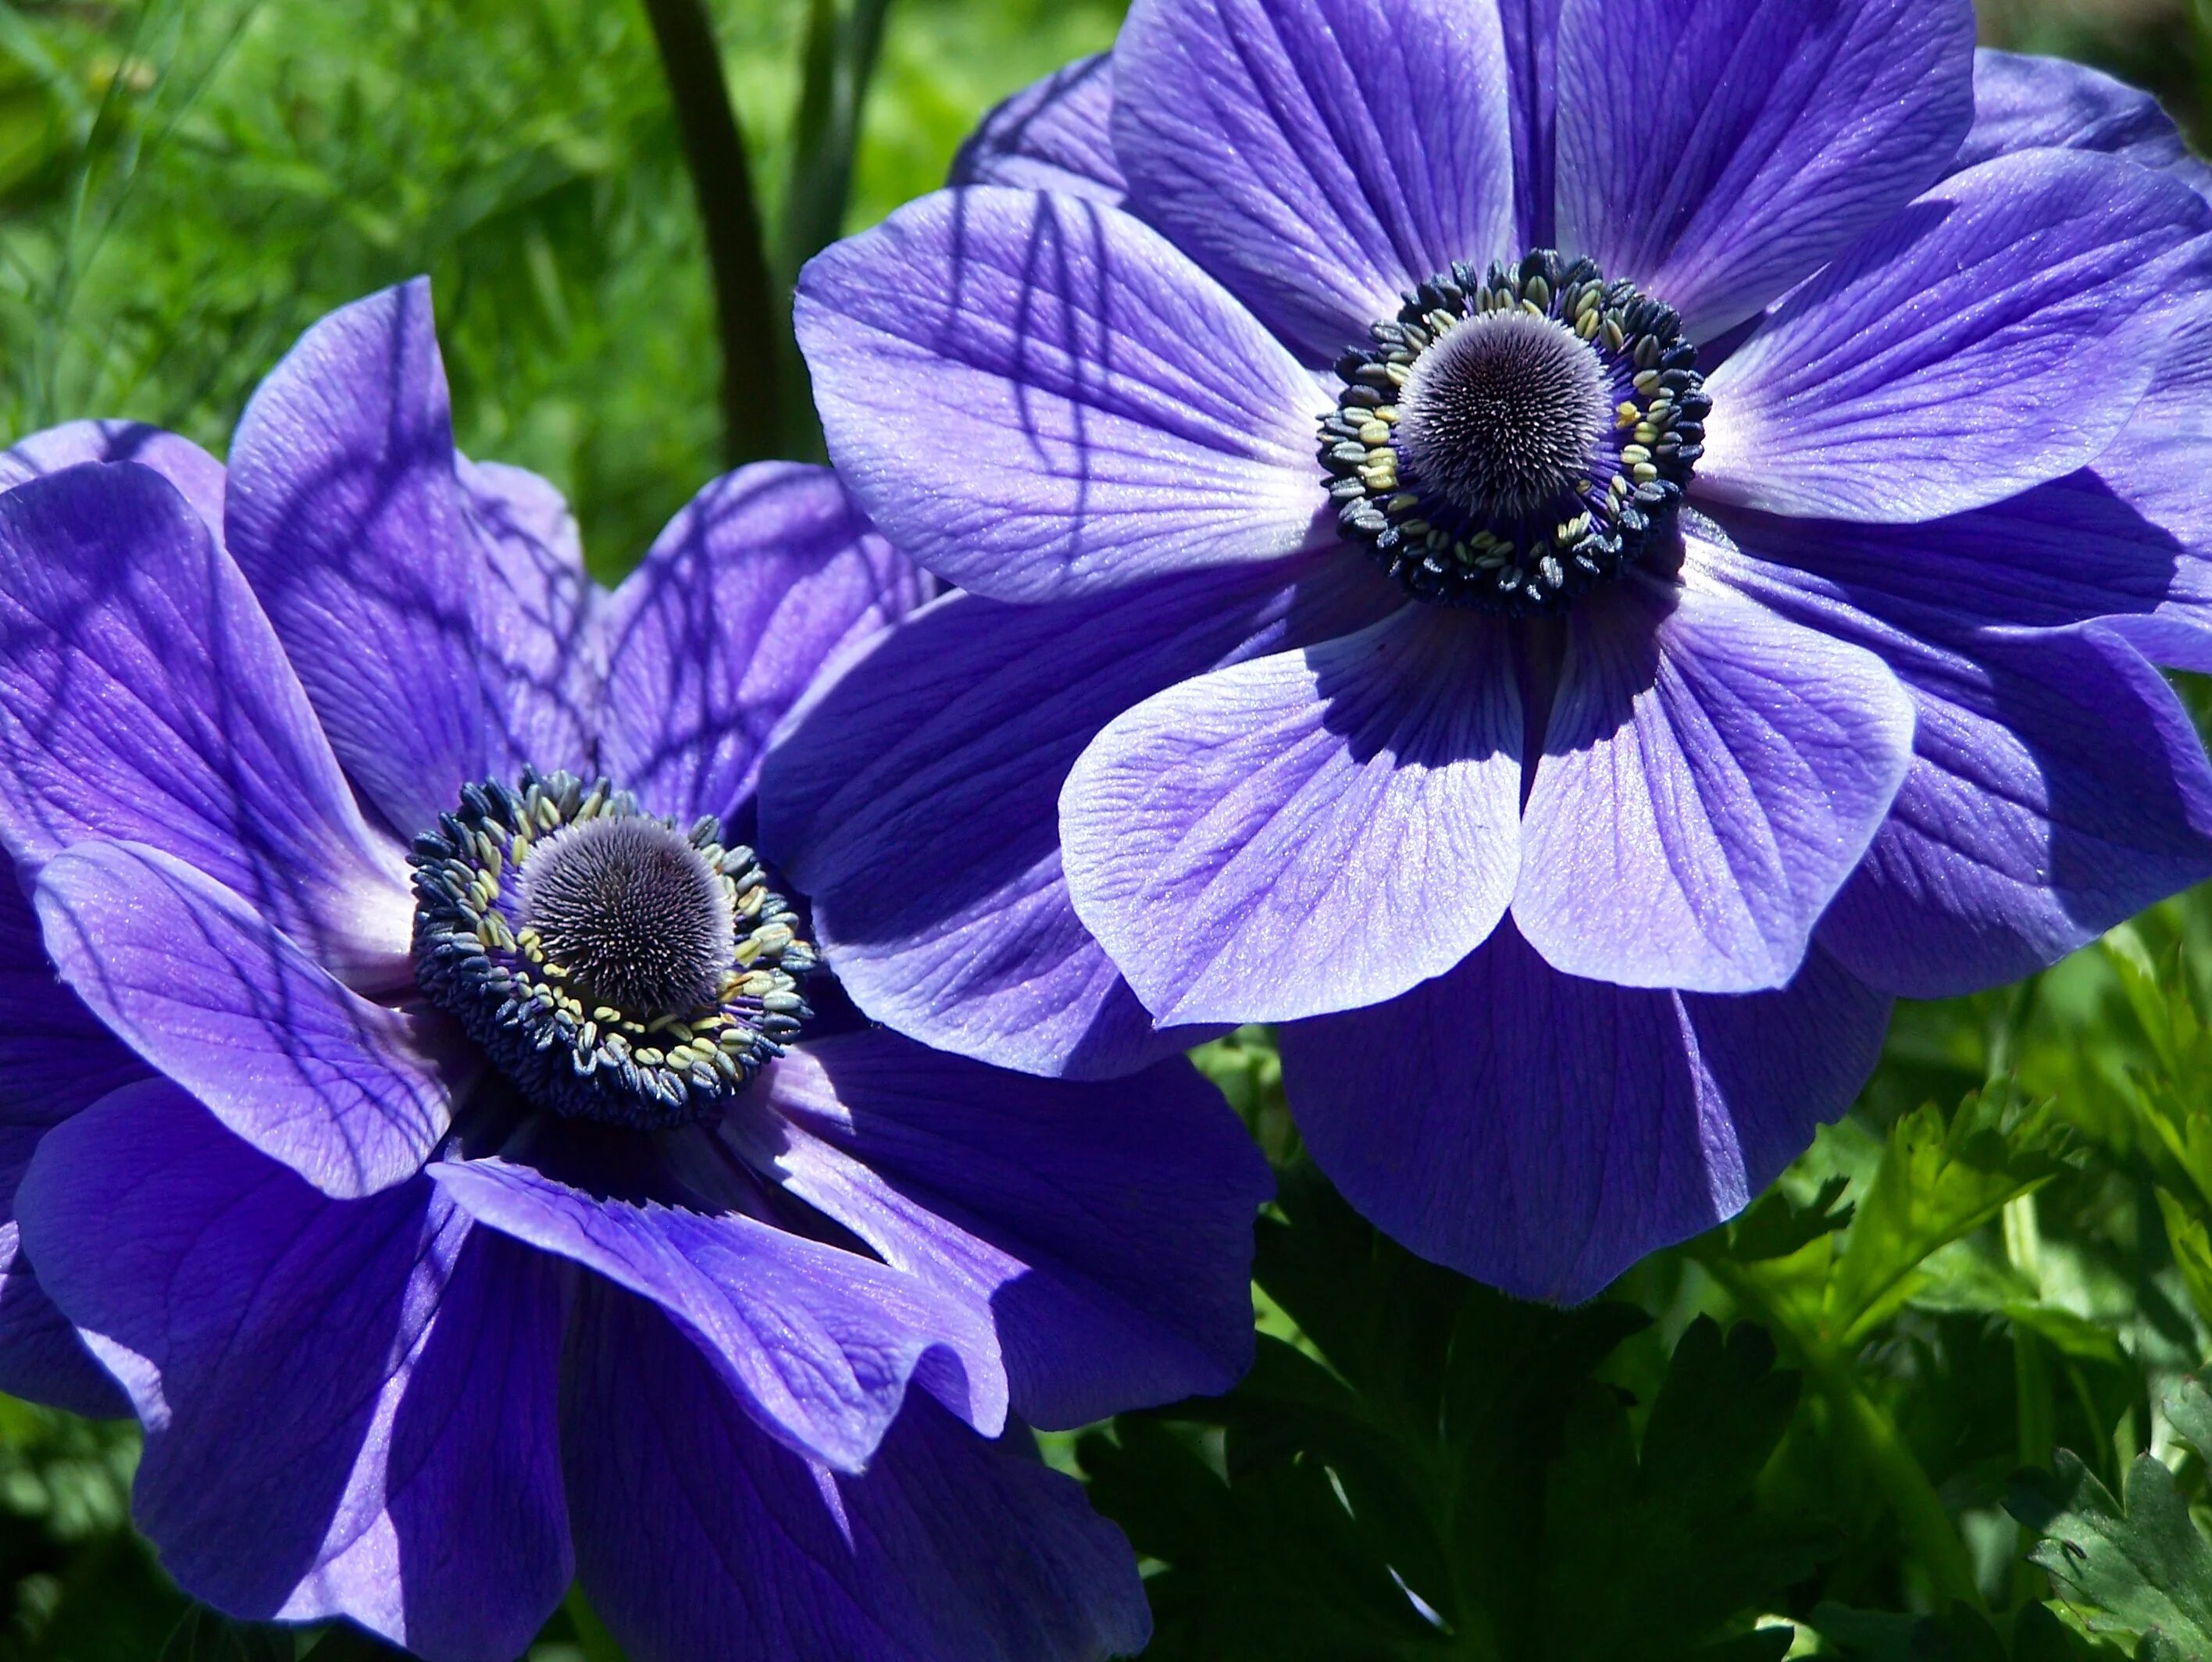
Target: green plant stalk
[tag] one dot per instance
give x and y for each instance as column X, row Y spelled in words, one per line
column 843, row 43
column 750, row 321
column 2035, row 1404
column 1897, row 1472
column 1860, row 1423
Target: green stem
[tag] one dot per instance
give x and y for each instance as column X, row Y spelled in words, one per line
column 748, row 320
column 843, row 45
column 2035, row 1404
column 1921, row 1515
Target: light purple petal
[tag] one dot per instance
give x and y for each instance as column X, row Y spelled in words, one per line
column 2057, row 788
column 1105, row 1228
column 348, row 515
column 767, row 576
column 1716, row 152
column 698, row 1535
column 351, row 1095
column 1307, row 832
column 1531, row 82
column 2023, row 103
column 198, row 475
column 542, row 657
column 144, row 696
column 1036, row 396
column 916, row 803
column 1997, row 334
column 1318, row 156
column 1542, row 1132
column 819, row 1342
column 1051, row 136
column 1711, row 773
column 348, row 1405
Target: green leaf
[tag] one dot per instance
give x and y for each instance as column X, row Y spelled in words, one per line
column 1937, row 1181
column 2142, row 1568
column 1649, row 1548
column 1434, row 1469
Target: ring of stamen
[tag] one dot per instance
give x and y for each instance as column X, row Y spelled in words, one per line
column 612, row 966
column 1507, row 441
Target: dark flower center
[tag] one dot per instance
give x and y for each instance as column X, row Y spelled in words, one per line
column 1505, row 442
column 634, row 911
column 612, row 966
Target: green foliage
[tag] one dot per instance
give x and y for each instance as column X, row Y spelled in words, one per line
column 1436, row 1470
column 2144, row 1569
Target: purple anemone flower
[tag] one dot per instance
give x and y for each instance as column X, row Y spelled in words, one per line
column 432, row 1134
column 1564, row 551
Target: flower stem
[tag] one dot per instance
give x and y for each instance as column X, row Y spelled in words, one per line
column 748, row 319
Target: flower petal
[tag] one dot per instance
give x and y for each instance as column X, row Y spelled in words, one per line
column 2062, row 553
column 2023, row 103
column 541, row 652
column 56, row 1056
column 42, row 1358
column 698, row 1536
column 1318, row 156
column 351, row 1095
column 916, row 802
column 198, row 475
column 56, row 1060
column 1051, row 136
column 1717, row 152
column 1036, row 396
column 1711, row 773
column 348, row 1405
column 820, row 1343
column 2057, row 788
column 144, row 696
column 347, row 514
column 766, row 576
column 1997, row 334
column 1532, row 84
column 1105, row 1228
column 1307, row 832
column 1542, row 1132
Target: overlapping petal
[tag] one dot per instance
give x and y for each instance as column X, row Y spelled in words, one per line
column 768, row 575
column 2024, row 103
column 1318, row 156
column 1711, row 773
column 542, row 652
column 819, row 1343
column 144, row 696
column 346, row 513
column 1542, row 1132
column 1037, row 396
column 916, row 803
column 1306, row 832
column 351, row 1095
column 1054, row 134
column 1717, row 152
column 1105, row 1227
column 2057, row 787
column 198, row 475
column 1997, row 334
column 698, row 1534
column 349, row 1405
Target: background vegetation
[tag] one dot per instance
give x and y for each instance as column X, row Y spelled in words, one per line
column 1930, row 1398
